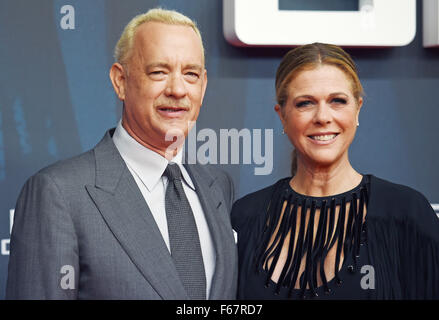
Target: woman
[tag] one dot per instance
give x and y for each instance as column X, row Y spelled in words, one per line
column 329, row 232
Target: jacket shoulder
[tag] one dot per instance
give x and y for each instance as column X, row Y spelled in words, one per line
column 78, row 168
column 81, row 168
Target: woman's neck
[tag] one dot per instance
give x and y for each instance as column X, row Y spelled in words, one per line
column 320, row 181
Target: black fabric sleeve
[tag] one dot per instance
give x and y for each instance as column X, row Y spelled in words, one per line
column 404, row 243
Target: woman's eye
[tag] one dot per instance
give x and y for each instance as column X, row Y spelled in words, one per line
column 339, row 100
column 303, row 103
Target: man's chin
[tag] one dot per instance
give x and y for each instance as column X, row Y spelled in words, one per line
column 172, row 144
column 173, row 132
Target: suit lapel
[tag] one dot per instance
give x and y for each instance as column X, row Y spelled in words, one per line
column 213, row 203
column 126, row 213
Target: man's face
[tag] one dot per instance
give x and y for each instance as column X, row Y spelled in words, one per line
column 163, row 83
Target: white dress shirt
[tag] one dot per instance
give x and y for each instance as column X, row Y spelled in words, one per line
column 147, row 168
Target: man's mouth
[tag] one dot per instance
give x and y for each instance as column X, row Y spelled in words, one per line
column 172, row 109
column 172, row 112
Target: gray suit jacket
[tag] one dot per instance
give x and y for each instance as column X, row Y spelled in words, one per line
column 82, row 230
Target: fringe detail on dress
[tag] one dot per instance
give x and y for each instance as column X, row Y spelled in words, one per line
column 331, row 230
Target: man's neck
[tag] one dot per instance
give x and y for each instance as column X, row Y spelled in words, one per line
column 168, row 150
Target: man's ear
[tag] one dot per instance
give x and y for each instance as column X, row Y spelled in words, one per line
column 204, row 85
column 118, row 79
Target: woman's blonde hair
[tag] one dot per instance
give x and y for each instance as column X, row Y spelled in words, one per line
column 125, row 43
column 309, row 57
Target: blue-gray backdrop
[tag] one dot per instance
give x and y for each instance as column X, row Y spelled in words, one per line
column 56, row 99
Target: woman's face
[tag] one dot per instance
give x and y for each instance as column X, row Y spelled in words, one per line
column 320, row 115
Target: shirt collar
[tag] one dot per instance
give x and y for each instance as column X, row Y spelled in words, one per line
column 147, row 164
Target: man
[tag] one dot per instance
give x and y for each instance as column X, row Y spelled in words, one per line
column 114, row 222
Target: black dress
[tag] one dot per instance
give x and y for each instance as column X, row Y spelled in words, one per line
column 383, row 237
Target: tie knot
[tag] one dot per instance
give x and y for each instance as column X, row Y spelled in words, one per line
column 173, row 172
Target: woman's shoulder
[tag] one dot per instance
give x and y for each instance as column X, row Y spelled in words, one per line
column 251, row 204
column 394, row 194
column 401, row 203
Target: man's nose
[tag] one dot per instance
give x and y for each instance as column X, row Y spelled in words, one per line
column 176, row 87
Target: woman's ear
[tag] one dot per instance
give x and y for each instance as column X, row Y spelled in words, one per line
column 360, row 104
column 280, row 113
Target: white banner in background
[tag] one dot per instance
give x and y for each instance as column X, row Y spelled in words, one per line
column 378, row 23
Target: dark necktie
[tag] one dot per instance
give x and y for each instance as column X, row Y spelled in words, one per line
column 183, row 236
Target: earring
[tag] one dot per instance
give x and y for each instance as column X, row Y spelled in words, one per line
column 283, row 131
column 358, row 123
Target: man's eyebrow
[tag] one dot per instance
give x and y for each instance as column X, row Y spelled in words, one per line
column 191, row 66
column 194, row 66
column 157, row 65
